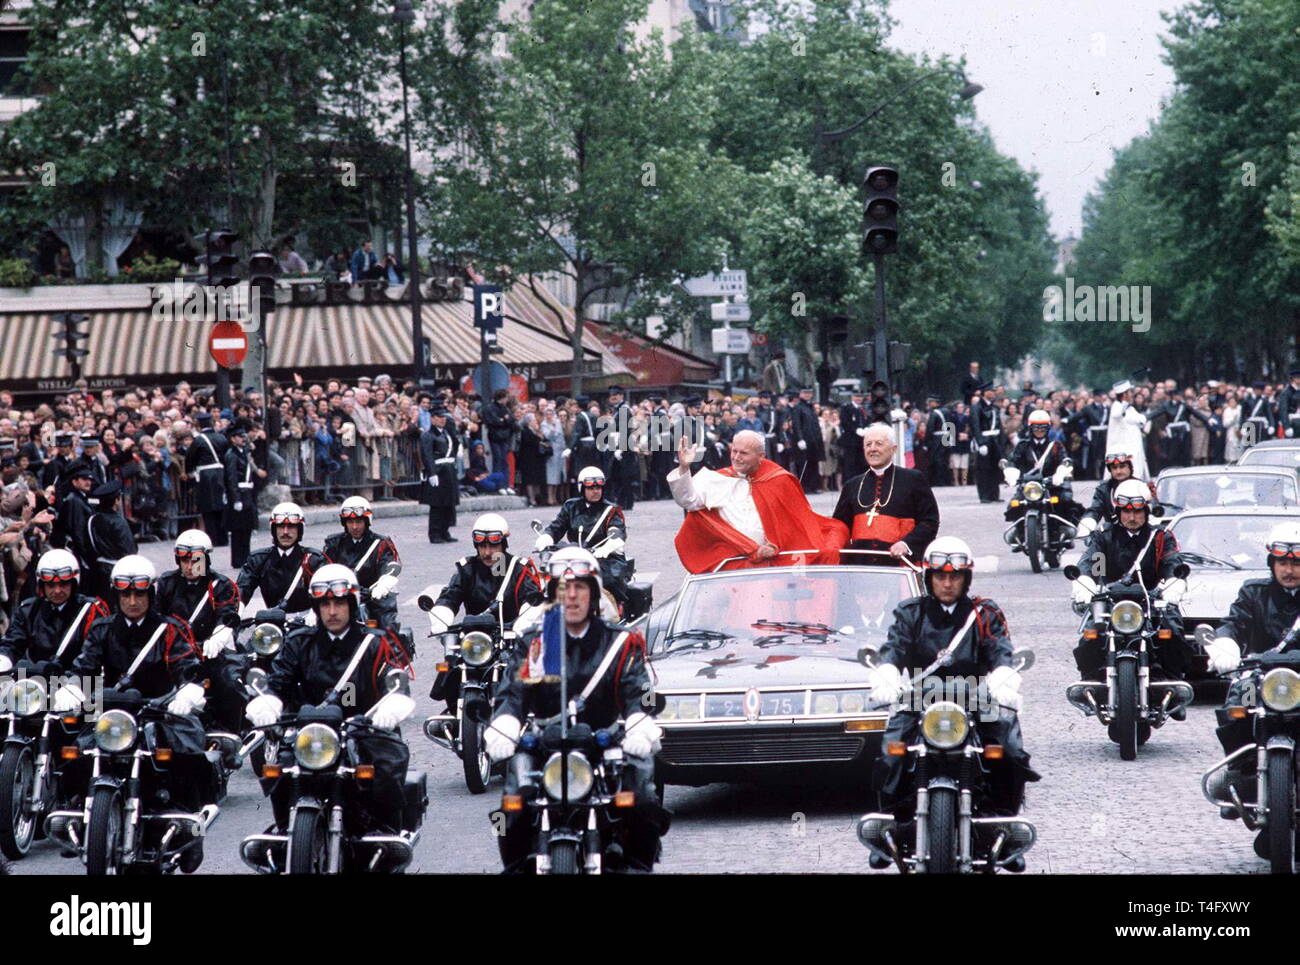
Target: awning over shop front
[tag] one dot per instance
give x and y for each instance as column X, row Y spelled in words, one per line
column 655, row 365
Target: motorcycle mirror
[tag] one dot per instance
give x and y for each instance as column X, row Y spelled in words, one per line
column 424, row 602
column 1204, row 634
column 1182, row 570
column 1157, row 510
column 257, row 678
column 536, row 524
column 867, row 656
column 1002, row 464
column 660, row 703
column 1072, row 572
column 1026, row 658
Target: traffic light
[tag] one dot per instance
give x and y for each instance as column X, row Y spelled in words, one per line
column 879, row 406
column 880, row 211
column 219, row 261
column 70, row 336
column 262, row 268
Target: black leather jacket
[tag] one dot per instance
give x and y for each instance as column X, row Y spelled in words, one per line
column 1111, row 552
column 1260, row 616
column 268, row 570
column 311, row 662
column 180, row 597
column 342, row 548
column 474, row 586
column 112, row 647
column 1029, row 451
column 38, row 628
column 624, row 689
column 578, row 514
column 1102, row 509
column 922, row 628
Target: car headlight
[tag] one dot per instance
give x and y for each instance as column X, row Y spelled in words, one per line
column 316, row 747
column 27, row 697
column 581, row 776
column 839, row 702
column 681, row 707
column 826, row 703
column 944, row 725
column 854, row 702
column 1281, row 689
column 267, row 638
column 476, row 647
column 1126, row 617
column 115, row 731
column 1033, row 491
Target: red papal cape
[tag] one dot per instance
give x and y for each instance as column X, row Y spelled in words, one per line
column 789, row 523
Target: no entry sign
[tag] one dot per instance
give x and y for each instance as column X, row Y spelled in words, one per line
column 228, row 344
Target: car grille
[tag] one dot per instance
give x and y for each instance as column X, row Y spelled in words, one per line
column 748, row 747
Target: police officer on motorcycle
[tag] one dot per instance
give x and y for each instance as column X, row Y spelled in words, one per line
column 53, row 624
column 370, row 555
column 282, row 571
column 947, row 616
column 1102, row 509
column 1262, row 615
column 491, row 574
column 1133, row 549
column 363, row 668
column 209, row 603
column 623, row 690
column 593, row 522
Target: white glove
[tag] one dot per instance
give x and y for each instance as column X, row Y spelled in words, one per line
column 1004, row 687
column 529, row 617
column 1290, row 433
column 440, row 618
column 861, row 432
column 984, row 450
column 1080, row 594
column 1061, row 475
column 222, row 639
column 68, row 697
column 264, row 711
column 780, row 447
column 641, row 736
column 391, row 710
column 611, row 545
column 617, row 454
column 187, row 700
column 803, row 444
column 1086, row 527
column 888, row 686
column 239, row 507
column 1172, row 592
column 1224, row 654
column 1010, row 475
column 565, row 453
column 383, row 586
column 501, row 736
column 433, row 480
column 544, row 542
column 5, row 664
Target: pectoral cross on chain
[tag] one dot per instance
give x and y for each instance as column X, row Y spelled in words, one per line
column 873, row 512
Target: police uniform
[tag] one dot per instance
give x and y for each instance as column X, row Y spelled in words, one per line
column 475, row 585
column 440, row 491
column 368, row 558
column 620, row 463
column 204, row 462
column 986, row 432
column 584, row 449
column 206, row 603
column 108, row 538
column 240, row 517
column 279, row 573
column 41, row 631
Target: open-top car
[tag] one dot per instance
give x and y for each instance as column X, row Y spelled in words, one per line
column 1273, row 452
column 1198, row 487
column 1224, row 547
column 762, row 673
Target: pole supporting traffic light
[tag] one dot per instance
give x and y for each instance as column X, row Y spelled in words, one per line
column 220, row 265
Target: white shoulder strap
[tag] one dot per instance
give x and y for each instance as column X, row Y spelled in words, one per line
column 144, row 651
column 610, row 654
column 72, row 629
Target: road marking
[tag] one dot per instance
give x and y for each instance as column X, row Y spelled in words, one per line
column 649, row 577
column 986, row 564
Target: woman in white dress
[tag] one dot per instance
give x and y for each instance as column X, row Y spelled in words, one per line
column 1125, row 429
column 1231, row 425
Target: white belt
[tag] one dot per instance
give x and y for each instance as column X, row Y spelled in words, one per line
column 245, row 485
column 990, row 432
column 444, row 460
column 1177, row 425
column 105, row 560
column 211, row 465
column 1097, row 428
column 586, row 438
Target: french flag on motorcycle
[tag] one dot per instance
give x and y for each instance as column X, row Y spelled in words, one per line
column 546, row 653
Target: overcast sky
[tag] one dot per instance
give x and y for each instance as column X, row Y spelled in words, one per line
column 1065, row 81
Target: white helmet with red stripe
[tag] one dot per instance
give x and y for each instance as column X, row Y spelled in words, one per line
column 948, row 554
column 337, row 580
column 356, row 507
column 574, row 562
column 1039, row 419
column 287, row 513
column 58, row 566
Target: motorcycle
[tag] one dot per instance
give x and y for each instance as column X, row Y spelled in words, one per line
column 951, row 833
column 1038, row 529
column 1128, row 702
column 627, row 599
column 475, row 656
column 30, row 763
column 571, row 784
column 1270, row 692
column 147, row 806
column 327, row 832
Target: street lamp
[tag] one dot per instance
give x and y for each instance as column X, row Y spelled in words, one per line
column 968, row 90
column 404, row 14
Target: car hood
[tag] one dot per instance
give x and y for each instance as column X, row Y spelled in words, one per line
column 1210, row 592
column 747, row 666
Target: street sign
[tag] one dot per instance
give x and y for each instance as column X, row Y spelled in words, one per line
column 732, row 282
column 498, row 376
column 759, row 338
column 489, row 306
column 730, row 311
column 228, row 344
column 731, row 341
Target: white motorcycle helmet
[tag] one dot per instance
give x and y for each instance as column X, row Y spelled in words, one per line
column 287, row 513
column 491, row 528
column 948, row 554
column 1283, row 543
column 1132, row 494
column 133, row 571
column 56, row 566
column 591, row 474
column 194, row 541
column 1039, row 419
column 356, row 507
column 574, row 562
column 336, row 580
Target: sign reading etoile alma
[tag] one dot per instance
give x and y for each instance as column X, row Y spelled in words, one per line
column 733, row 282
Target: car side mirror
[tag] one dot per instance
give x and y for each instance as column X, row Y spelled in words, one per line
column 1181, row 571
column 1072, row 572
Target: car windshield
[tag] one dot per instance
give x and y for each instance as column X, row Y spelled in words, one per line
column 812, row 608
column 1278, row 456
column 1235, row 539
column 1195, row 490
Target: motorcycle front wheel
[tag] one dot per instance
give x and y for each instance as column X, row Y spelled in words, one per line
column 1032, row 542
column 1281, row 812
column 473, row 756
column 308, row 843
column 1126, row 709
column 17, row 820
column 104, row 837
column 941, row 831
column 564, row 857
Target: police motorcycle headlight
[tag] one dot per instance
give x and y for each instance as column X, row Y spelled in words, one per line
column 1033, row 491
column 1126, row 617
column 581, row 776
column 316, row 747
column 476, row 648
column 27, row 697
column 267, row 638
column 115, row 731
column 944, row 725
column 1280, row 689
